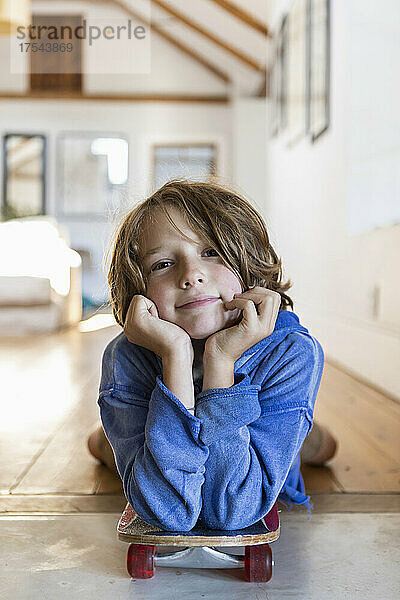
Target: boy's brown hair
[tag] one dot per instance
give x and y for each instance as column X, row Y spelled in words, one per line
column 226, row 220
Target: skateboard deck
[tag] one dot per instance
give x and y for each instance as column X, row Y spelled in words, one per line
column 144, row 537
column 131, row 528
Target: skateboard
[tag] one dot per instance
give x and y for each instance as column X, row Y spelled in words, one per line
column 143, row 538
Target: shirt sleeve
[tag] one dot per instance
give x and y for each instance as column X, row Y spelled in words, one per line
column 156, row 444
column 254, row 433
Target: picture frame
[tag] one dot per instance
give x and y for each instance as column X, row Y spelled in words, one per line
column 274, row 86
column 297, row 72
column 85, row 189
column 24, row 175
column 277, row 82
column 319, row 67
column 192, row 159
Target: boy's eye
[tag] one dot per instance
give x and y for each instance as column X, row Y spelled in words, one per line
column 212, row 250
column 159, row 266
column 164, row 262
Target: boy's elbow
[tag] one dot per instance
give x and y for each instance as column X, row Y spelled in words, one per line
column 161, row 505
column 239, row 516
column 168, row 518
column 225, row 520
column 180, row 520
column 184, row 524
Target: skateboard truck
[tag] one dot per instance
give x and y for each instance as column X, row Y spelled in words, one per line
column 200, row 557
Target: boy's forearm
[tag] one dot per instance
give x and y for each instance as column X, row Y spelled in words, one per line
column 177, row 376
column 218, row 373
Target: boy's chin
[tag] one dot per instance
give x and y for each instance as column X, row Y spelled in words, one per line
column 201, row 335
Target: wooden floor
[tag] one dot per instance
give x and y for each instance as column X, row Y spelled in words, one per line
column 49, row 395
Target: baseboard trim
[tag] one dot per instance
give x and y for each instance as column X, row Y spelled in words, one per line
column 355, row 502
column 61, row 503
column 334, row 502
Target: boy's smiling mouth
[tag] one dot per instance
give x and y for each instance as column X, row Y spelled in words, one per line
column 199, row 301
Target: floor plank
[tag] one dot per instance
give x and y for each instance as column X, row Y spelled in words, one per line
column 358, row 466
column 365, row 422
column 43, row 380
column 377, row 417
column 65, row 464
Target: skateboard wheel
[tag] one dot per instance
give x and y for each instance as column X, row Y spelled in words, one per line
column 258, row 563
column 140, row 561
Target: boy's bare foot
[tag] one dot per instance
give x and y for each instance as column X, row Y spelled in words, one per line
column 319, row 447
column 99, row 447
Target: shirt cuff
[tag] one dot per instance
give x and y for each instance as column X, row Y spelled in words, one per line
column 168, row 414
column 222, row 411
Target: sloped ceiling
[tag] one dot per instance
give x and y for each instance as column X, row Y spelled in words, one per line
column 220, row 39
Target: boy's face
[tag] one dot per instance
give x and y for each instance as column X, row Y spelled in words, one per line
column 180, row 270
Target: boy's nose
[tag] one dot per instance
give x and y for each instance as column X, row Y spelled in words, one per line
column 193, row 281
column 191, row 275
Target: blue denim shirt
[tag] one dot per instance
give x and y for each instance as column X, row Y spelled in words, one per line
column 229, row 461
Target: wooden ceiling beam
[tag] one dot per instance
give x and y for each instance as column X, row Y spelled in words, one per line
column 169, row 38
column 49, row 95
column 244, row 58
column 180, row 45
column 243, row 16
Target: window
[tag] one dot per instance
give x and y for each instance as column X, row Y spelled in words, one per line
column 192, row 161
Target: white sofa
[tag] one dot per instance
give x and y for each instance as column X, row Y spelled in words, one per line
column 40, row 278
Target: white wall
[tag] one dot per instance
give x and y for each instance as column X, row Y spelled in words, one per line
column 346, row 285
column 249, row 148
column 143, row 124
column 372, row 101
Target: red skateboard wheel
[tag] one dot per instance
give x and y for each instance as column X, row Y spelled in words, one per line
column 258, row 563
column 140, row 561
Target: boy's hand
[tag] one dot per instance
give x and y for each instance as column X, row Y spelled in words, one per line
column 144, row 327
column 260, row 308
